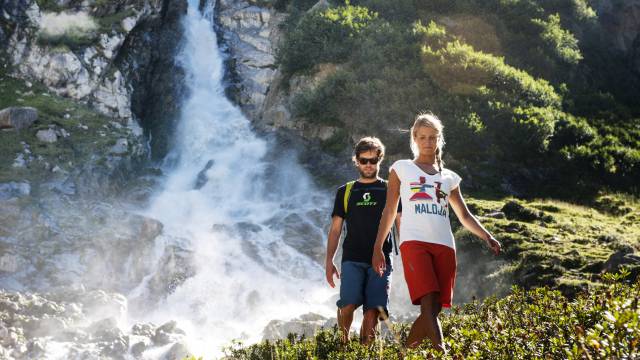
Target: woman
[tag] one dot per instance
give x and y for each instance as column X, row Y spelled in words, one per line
column 427, row 244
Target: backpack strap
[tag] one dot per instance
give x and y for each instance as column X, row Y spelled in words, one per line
column 347, row 195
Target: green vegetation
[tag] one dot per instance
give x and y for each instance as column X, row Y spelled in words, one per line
column 90, row 132
column 521, row 87
column 541, row 323
column 546, row 243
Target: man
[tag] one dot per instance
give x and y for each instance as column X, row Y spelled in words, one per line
column 360, row 204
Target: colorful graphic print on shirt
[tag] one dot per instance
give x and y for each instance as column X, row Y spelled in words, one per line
column 421, row 192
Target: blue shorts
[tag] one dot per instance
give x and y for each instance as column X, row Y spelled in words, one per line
column 360, row 285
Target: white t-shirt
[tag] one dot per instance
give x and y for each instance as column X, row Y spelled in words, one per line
column 425, row 203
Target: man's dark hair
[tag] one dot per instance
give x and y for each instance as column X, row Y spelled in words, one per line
column 369, row 143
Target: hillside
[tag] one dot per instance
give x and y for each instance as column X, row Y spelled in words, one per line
column 537, row 97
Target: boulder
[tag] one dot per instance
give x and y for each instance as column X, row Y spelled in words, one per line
column 307, row 325
column 14, row 190
column 17, row 117
column 622, row 257
column 47, row 136
column 120, row 148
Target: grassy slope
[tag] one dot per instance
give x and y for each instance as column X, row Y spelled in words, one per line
column 565, row 246
column 81, row 146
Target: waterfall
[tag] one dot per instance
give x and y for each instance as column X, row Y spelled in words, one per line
column 239, row 210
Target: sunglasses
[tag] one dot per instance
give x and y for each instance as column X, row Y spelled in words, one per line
column 364, row 161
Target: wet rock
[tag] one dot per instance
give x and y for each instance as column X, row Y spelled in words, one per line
column 176, row 352
column 202, row 178
column 167, row 333
column 14, row 189
column 18, row 117
column 175, row 267
column 138, row 348
column 146, row 330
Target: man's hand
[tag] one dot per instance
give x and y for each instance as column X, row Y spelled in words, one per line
column 494, row 245
column 378, row 262
column 330, row 270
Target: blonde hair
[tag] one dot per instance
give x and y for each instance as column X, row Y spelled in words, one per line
column 431, row 121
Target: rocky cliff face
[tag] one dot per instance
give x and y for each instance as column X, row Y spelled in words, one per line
column 115, row 56
column 251, row 35
column 251, row 32
column 621, row 20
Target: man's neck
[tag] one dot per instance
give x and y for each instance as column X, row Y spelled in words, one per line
column 367, row 180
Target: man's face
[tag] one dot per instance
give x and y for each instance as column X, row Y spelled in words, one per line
column 366, row 169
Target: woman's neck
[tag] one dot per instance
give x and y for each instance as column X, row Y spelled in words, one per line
column 426, row 159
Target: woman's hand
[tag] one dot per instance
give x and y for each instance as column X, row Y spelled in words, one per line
column 378, row 262
column 494, row 245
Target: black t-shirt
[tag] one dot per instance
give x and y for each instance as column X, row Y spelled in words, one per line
column 363, row 217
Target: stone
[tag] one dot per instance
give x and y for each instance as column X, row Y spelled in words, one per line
column 177, row 351
column 167, row 333
column 17, row 117
column 138, row 348
column 14, row 190
column 47, row 136
column 623, row 256
column 277, row 329
column 128, row 23
column 120, row 148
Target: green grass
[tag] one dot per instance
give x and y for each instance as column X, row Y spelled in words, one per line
column 67, row 153
column 564, row 249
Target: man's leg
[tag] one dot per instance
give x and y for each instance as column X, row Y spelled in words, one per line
column 351, row 297
column 427, row 324
column 376, row 299
column 369, row 323
column 345, row 318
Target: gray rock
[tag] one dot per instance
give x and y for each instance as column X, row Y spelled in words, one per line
column 167, row 333
column 251, row 33
column 306, row 325
column 624, row 256
column 120, row 148
column 138, row 348
column 14, row 190
column 48, row 136
column 177, row 352
column 17, row 117
column 146, row 330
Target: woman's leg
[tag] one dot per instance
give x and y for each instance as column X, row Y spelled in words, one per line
column 427, row 324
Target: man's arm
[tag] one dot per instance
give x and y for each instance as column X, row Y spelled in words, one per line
column 332, row 246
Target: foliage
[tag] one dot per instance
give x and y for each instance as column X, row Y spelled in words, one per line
column 521, row 86
column 538, row 323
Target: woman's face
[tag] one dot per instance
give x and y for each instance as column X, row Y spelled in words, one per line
column 427, row 140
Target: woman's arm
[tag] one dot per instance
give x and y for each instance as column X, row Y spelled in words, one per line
column 470, row 222
column 388, row 215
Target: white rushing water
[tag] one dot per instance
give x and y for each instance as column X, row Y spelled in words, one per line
column 231, row 218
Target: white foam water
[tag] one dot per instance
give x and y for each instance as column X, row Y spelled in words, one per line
column 225, row 202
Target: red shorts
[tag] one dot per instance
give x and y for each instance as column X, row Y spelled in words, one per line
column 428, row 268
